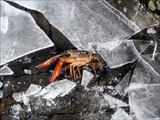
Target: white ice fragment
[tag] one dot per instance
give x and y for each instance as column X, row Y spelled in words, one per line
column 87, row 76
column 1, row 84
column 26, row 102
column 98, row 88
column 154, row 52
column 1, row 94
column 5, row 70
column 27, row 71
column 113, row 102
column 151, row 31
column 125, row 9
column 50, row 102
column 120, row 114
column 33, row 90
column 123, row 84
column 58, row 88
column 15, row 110
column 18, row 96
column 144, row 100
column 4, row 24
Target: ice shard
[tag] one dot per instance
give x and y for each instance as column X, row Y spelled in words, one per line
column 19, row 34
column 5, row 70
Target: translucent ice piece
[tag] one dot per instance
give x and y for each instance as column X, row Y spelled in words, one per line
column 5, row 70
column 33, row 90
column 123, row 84
column 4, row 25
column 18, row 97
column 84, row 22
column 23, row 35
column 113, row 102
column 58, row 88
column 87, row 76
column 144, row 100
column 27, row 71
column 120, row 114
column 144, row 73
column 1, row 94
column 1, row 84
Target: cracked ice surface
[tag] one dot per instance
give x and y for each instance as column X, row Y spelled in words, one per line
column 120, row 114
column 144, row 100
column 19, row 34
column 5, row 70
column 89, row 22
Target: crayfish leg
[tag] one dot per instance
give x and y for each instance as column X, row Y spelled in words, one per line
column 56, row 71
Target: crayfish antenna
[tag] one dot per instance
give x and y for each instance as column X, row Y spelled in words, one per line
column 56, row 71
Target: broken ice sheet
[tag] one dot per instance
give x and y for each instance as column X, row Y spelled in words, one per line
column 58, row 88
column 23, row 35
column 113, row 102
column 85, row 22
column 144, row 100
column 123, row 84
column 87, row 76
column 144, row 73
column 120, row 114
column 121, row 55
column 5, row 70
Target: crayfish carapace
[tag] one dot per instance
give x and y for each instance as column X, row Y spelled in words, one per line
column 74, row 60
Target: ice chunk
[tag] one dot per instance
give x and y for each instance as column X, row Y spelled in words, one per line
column 26, row 101
column 1, row 94
column 33, row 90
column 87, row 76
column 27, row 71
column 58, row 88
column 5, row 70
column 123, row 84
column 4, row 25
column 18, row 96
column 85, row 22
column 21, row 24
column 144, row 100
column 120, row 114
column 1, row 84
column 151, row 31
column 154, row 52
column 15, row 110
column 113, row 102
column 144, row 73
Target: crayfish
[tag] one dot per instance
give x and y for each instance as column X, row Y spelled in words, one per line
column 74, row 61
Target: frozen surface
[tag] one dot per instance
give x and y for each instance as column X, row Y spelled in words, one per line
column 120, row 114
column 19, row 34
column 144, row 100
column 113, row 102
column 87, row 76
column 5, row 70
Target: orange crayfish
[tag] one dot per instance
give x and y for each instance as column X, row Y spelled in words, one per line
column 73, row 60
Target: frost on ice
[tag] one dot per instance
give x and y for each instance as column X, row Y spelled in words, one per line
column 120, row 114
column 5, row 70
